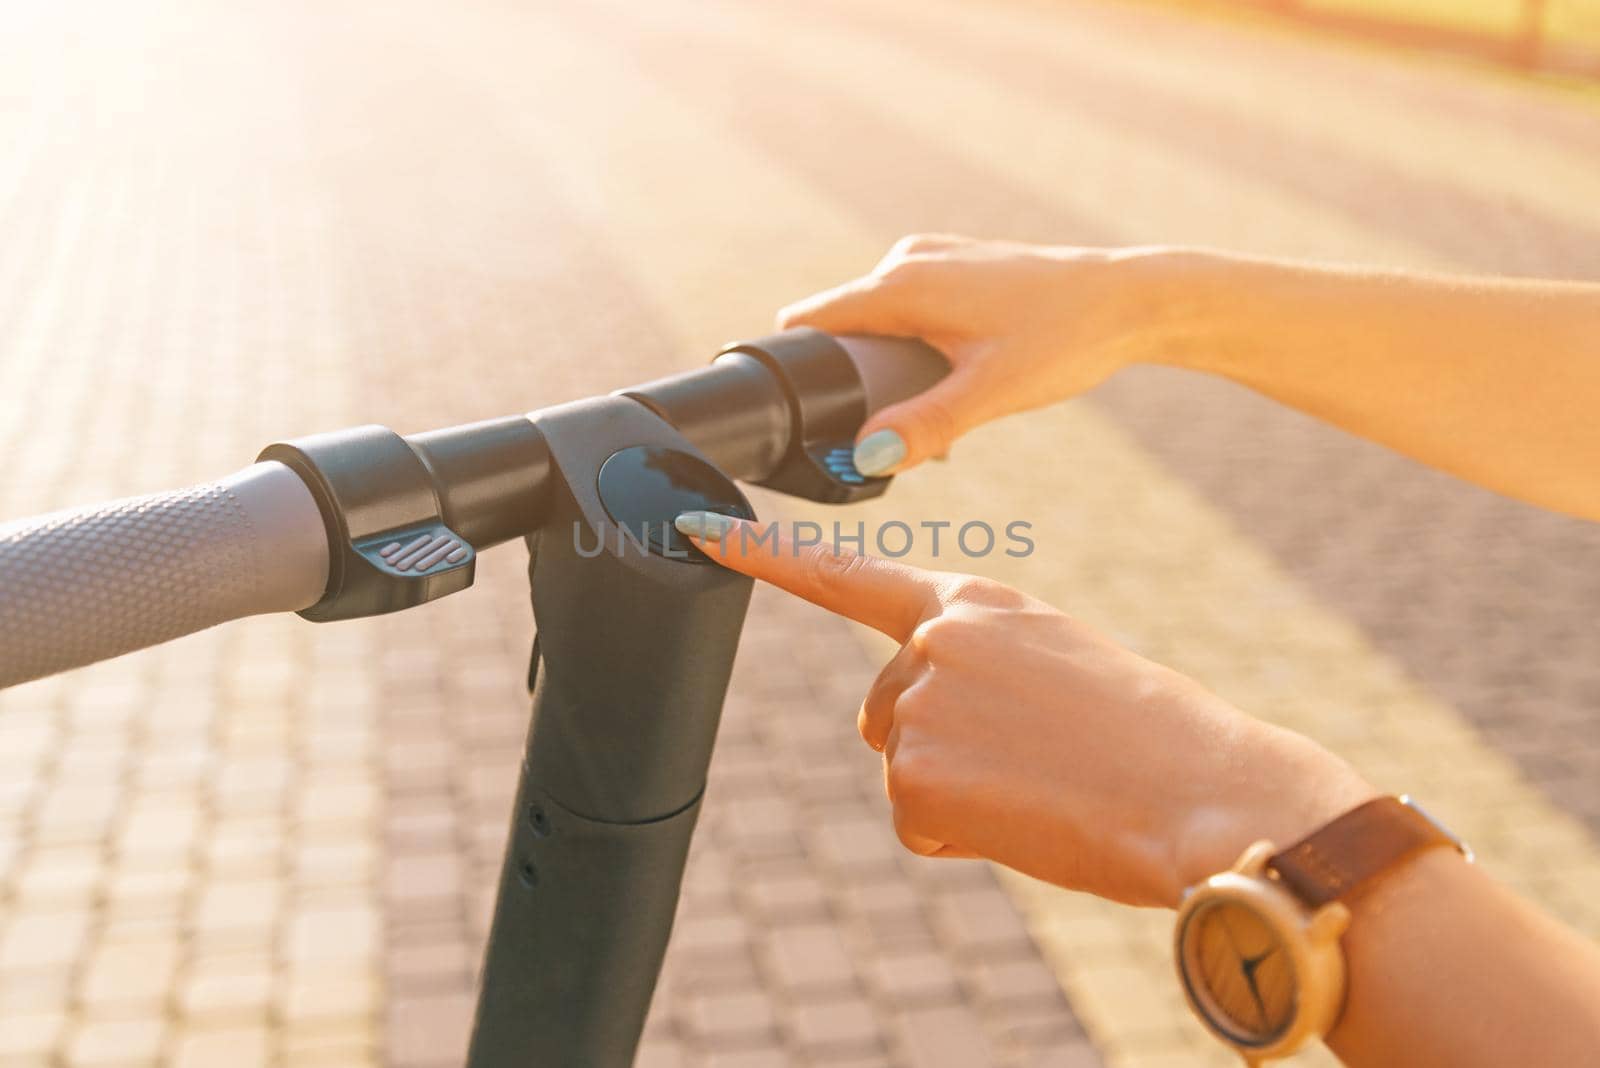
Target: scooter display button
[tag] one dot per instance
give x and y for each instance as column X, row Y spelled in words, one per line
column 645, row 487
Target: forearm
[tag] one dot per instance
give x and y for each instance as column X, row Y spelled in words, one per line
column 1495, row 381
column 1447, row 967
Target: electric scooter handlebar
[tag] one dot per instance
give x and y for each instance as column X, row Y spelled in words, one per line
column 363, row 521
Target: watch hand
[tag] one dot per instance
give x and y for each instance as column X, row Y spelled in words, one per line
column 1248, row 966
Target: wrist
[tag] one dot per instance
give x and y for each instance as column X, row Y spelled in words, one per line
column 1189, row 313
column 1285, row 788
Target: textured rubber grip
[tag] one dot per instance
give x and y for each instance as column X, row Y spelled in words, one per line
column 89, row 584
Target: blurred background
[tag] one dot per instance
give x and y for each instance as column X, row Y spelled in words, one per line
column 226, row 224
column 1542, row 35
column 1553, row 36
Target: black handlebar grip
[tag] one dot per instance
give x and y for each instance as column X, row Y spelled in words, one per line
column 894, row 368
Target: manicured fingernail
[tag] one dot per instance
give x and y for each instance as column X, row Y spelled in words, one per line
column 708, row 526
column 879, row 451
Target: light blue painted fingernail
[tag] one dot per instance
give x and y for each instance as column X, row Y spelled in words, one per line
column 709, row 526
column 879, row 452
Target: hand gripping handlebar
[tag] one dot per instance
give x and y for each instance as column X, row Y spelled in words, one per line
column 365, row 521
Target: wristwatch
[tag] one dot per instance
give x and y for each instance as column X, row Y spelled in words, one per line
column 1257, row 946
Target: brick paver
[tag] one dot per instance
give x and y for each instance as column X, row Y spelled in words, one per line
column 277, row 843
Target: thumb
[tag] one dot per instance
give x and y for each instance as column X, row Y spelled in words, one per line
column 903, row 435
column 884, row 594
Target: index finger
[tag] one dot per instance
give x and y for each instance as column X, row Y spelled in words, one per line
column 885, row 595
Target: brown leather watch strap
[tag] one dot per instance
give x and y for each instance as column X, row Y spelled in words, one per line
column 1335, row 861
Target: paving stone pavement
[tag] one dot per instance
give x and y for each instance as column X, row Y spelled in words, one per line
column 276, row 844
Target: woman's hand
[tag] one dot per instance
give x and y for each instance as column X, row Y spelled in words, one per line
column 1013, row 732
column 1022, row 326
column 1446, row 370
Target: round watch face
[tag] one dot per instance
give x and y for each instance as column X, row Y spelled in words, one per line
column 1239, row 972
